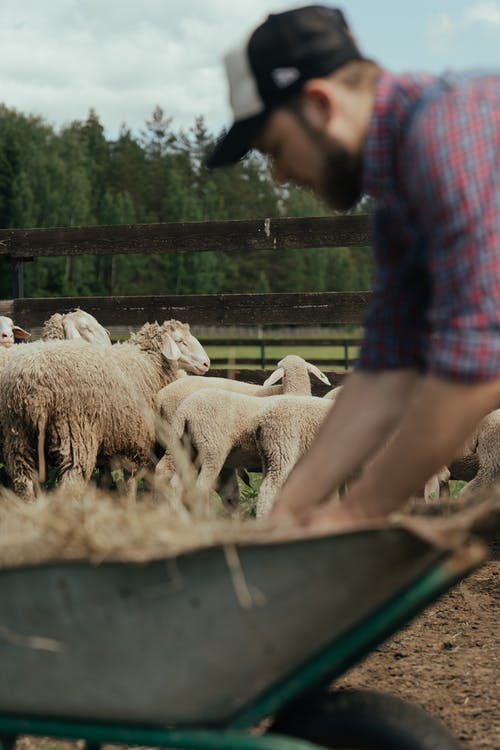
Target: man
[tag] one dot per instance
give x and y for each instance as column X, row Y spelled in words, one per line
column 427, row 149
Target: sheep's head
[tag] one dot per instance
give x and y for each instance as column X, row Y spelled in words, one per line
column 9, row 332
column 292, row 362
column 182, row 346
column 76, row 324
column 175, row 342
column 79, row 324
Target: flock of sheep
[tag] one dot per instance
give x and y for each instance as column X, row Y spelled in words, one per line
column 77, row 402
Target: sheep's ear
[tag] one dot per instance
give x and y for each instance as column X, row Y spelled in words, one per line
column 169, row 349
column 314, row 371
column 20, row 333
column 70, row 330
column 274, row 377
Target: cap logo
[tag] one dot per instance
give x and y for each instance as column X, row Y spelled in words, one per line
column 284, row 77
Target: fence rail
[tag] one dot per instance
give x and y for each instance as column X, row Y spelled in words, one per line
column 204, row 309
column 227, row 236
column 273, row 235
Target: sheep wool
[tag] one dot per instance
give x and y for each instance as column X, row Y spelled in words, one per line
column 80, row 404
column 221, row 424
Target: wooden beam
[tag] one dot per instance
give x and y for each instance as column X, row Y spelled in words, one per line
column 228, row 236
column 203, row 309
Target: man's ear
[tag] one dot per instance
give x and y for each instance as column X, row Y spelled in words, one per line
column 319, row 98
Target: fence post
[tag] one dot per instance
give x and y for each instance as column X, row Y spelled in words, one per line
column 346, row 354
column 17, row 278
column 262, row 348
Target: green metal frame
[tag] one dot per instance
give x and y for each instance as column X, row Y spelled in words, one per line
column 319, row 670
column 183, row 739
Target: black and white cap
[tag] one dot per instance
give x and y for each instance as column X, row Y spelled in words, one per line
column 272, row 65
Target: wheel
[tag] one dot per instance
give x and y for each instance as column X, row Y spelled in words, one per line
column 363, row 720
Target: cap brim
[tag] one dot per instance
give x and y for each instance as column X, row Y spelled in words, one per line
column 236, row 143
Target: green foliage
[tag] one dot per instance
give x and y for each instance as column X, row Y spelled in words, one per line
column 248, row 494
column 77, row 176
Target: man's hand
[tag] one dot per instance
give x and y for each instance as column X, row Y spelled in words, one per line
column 438, row 419
column 363, row 416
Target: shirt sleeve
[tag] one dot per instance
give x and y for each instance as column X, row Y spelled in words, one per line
column 451, row 177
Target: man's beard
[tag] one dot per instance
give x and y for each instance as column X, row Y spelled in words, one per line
column 341, row 185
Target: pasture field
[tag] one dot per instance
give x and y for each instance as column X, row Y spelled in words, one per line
column 274, row 353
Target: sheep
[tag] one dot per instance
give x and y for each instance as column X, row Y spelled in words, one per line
column 292, row 369
column 173, row 394
column 484, row 444
column 9, row 332
column 284, row 430
column 77, row 324
column 86, row 403
column 221, row 422
column 169, row 398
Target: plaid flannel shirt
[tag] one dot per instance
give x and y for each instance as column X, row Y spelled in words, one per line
column 432, row 164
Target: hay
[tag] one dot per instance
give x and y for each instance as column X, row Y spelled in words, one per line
column 89, row 524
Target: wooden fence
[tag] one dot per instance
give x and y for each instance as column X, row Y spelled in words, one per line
column 273, row 235
column 291, row 344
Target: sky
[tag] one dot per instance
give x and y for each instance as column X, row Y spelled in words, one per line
column 60, row 58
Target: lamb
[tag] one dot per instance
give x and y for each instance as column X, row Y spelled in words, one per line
column 292, row 369
column 221, row 422
column 174, row 393
column 77, row 324
column 88, row 404
column 284, row 430
column 230, row 427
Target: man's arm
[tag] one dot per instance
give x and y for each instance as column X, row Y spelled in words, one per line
column 439, row 419
column 365, row 413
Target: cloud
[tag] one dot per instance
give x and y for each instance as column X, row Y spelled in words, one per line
column 120, row 57
column 484, row 12
column 444, row 29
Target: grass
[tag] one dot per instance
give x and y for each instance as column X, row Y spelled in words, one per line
column 277, row 352
column 315, row 354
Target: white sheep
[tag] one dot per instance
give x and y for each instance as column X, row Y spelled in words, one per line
column 221, row 424
column 83, row 404
column 9, row 332
column 173, row 394
column 77, row 324
column 484, row 445
column 284, row 430
column 292, row 370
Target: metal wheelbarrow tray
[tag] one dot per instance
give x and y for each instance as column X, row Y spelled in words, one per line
column 172, row 642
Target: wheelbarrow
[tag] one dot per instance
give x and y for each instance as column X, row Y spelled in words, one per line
column 196, row 651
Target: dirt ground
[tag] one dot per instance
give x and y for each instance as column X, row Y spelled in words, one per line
column 448, row 659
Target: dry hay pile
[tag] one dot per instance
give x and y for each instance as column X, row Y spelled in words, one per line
column 90, row 524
